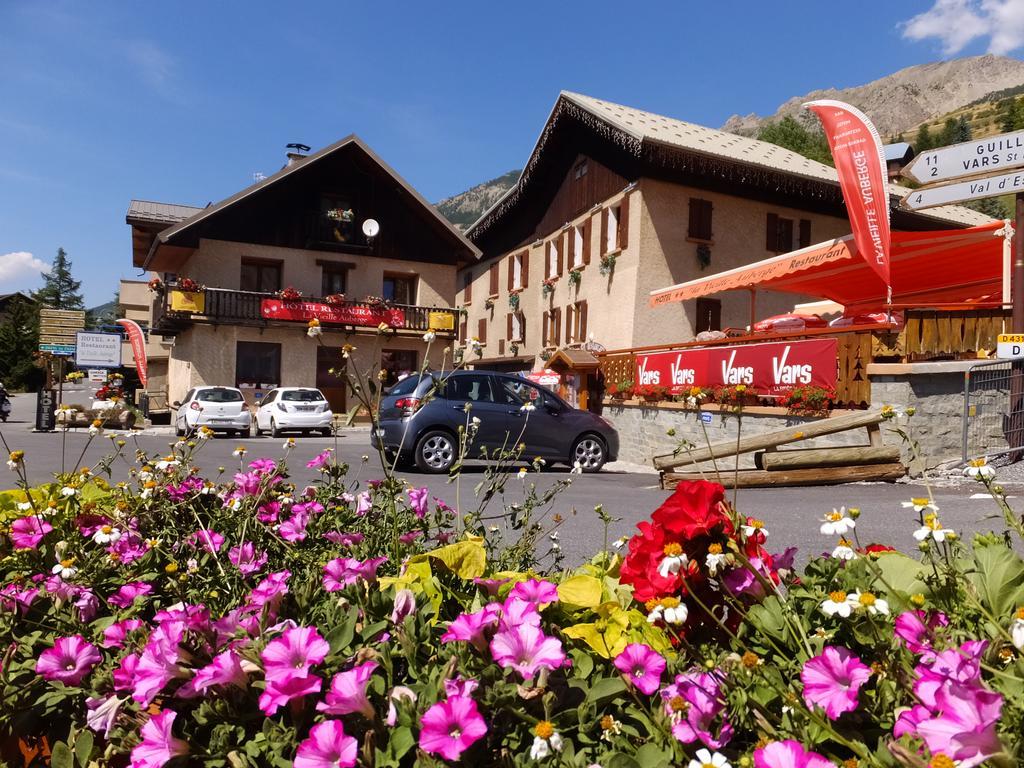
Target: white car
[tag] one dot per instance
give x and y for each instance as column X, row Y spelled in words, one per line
column 293, row 408
column 221, row 409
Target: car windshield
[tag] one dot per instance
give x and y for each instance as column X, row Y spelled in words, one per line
column 219, row 396
column 302, row 395
column 406, row 386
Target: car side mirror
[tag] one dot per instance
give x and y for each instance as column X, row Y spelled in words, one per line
column 176, row 404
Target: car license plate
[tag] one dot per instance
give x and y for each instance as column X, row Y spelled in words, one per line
column 304, row 407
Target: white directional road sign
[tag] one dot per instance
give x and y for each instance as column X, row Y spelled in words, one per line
column 970, row 158
column 971, row 189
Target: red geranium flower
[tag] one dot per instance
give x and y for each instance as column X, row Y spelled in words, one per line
column 695, row 509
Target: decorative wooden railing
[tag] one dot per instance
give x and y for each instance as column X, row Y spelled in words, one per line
column 220, row 305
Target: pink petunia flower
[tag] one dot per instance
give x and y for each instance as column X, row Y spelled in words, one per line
column 642, row 667
column 158, row 745
column 409, row 537
column 211, row 541
column 450, row 727
column 294, row 528
column 86, row 604
column 536, row 591
column 347, row 693
column 344, row 539
column 263, row 466
column 69, row 661
column 293, row 653
column 271, row 590
column 14, row 598
column 343, row 571
column 246, row 559
column 418, row 498
column 269, row 512
column 124, row 673
column 398, row 693
column 516, row 612
column 527, row 649
column 916, row 630
column 116, row 634
column 129, row 593
column 405, row 605
column 788, row 754
column 472, row 627
column 460, row 686
column 702, row 714
column 328, row 746
column 280, row 692
column 321, row 460
column 833, row 679
column 27, row 532
column 160, row 662
column 101, row 713
column 490, row 586
column 224, row 669
column 363, row 503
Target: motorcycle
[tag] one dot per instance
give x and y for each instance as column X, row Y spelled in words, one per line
column 5, row 408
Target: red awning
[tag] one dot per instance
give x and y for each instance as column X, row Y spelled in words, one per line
column 963, row 266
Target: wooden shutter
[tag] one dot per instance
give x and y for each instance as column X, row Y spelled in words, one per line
column 805, row 232
column 587, row 226
column 568, row 324
column 467, row 280
column 481, row 330
column 583, row 320
column 785, row 235
column 706, row 219
column 522, row 328
column 525, row 271
column 463, row 328
column 693, row 228
column 494, row 279
column 511, row 272
column 602, row 237
column 623, row 238
column 544, row 328
column 501, row 346
column 561, row 250
column 772, row 233
column 508, row 328
column 556, row 326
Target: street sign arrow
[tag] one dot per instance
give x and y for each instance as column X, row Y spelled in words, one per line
column 957, row 161
column 959, row 191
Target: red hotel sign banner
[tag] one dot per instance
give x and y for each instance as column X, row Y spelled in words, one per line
column 138, row 342
column 346, row 314
column 767, row 368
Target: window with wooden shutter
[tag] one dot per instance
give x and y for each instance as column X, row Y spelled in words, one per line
column 623, row 231
column 525, row 271
column 581, row 331
column 568, row 324
column 779, row 237
column 556, row 326
column 511, row 273
column 603, row 241
column 805, row 232
column 545, row 328
column 771, row 241
column 508, row 326
column 463, row 328
column 494, row 279
column 467, row 286
column 586, row 239
column 576, row 235
column 563, row 250
column 785, row 235
column 481, row 330
column 553, row 269
column 700, row 219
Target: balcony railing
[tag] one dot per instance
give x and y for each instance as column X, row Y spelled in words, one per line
column 180, row 308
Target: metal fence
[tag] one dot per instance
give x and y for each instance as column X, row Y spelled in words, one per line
column 993, row 416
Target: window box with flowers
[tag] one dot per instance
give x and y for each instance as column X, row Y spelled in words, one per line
column 156, row 285
column 335, row 299
column 650, row 393
column 575, row 277
column 809, row 401
column 188, row 285
column 607, row 264
column 736, row 396
column 513, row 301
column 548, row 286
column 620, row 390
column 489, row 302
column 289, row 294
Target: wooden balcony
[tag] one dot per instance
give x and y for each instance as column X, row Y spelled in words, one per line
column 179, row 309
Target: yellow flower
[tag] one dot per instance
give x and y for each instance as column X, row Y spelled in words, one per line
column 544, row 729
column 171, row 568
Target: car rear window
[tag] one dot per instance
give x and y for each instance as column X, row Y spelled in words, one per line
column 219, row 396
column 406, row 386
column 302, row 395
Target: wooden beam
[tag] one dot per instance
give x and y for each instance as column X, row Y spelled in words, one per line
column 761, row 478
column 730, row 447
column 806, row 458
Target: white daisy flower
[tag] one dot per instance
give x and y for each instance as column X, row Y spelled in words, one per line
column 289, row 444
column 429, row 336
column 673, row 562
column 933, row 529
column 543, row 747
column 65, row 569
column 1017, row 630
column 522, row 473
column 205, row 433
column 24, row 506
column 844, row 551
column 106, row 534
column 528, row 407
column 715, row 559
column 979, row 469
column 68, row 491
column 837, row 604
column 620, row 543
column 753, row 526
column 869, row 602
column 836, row 523
column 475, row 421
column 166, row 465
column 704, row 759
column 239, row 452
column 577, row 469
column 669, row 610
column 313, row 331
column 920, row 504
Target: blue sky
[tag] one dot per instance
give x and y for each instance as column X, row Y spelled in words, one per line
column 102, row 102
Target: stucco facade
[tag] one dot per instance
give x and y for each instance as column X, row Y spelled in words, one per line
column 136, row 302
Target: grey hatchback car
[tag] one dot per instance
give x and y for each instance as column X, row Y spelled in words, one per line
column 420, row 417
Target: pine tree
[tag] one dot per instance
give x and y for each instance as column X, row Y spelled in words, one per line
column 1011, row 119
column 990, row 206
column 60, row 290
column 924, row 140
column 807, row 141
column 947, row 135
column 963, row 131
column 19, row 342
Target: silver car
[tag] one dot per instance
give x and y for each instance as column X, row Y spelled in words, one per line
column 420, row 417
column 221, row 409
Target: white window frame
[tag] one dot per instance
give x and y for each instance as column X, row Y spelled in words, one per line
column 577, row 246
column 611, row 235
column 517, row 272
column 552, row 259
column 517, row 327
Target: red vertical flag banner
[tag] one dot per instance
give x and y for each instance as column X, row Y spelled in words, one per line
column 857, row 151
column 138, row 342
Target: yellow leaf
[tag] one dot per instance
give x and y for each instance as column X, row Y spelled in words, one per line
column 580, row 591
column 466, row 559
column 605, row 638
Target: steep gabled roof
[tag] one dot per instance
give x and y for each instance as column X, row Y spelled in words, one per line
column 635, row 130
column 168, row 235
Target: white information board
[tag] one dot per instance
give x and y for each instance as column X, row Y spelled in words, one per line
column 98, row 350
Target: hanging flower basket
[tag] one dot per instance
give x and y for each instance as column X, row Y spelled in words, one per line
column 289, row 294
column 607, row 264
column 156, row 285
column 513, row 301
column 575, row 278
column 188, row 285
column 335, row 299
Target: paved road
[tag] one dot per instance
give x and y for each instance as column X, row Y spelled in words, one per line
column 792, row 514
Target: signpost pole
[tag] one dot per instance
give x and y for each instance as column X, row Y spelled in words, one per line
column 60, row 384
column 1014, row 431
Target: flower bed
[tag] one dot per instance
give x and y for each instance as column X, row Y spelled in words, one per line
column 249, row 622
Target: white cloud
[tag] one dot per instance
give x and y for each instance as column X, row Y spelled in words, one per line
column 955, row 23
column 20, row 268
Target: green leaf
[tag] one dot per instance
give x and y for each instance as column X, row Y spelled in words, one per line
column 350, row 417
column 999, row 578
column 83, row 748
column 605, row 688
column 652, row 756
column 342, row 635
column 61, row 756
column 620, row 760
column 401, row 741
column 582, row 664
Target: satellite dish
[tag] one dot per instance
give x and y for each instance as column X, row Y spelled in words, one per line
column 371, row 227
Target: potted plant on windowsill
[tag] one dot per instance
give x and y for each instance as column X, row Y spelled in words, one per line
column 373, row 302
column 156, row 285
column 513, row 301
column 575, row 277
column 548, row 286
column 188, row 285
column 809, row 401
column 489, row 302
column 620, row 390
column 607, row 264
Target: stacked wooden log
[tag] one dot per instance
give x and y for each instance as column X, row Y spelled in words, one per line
column 800, row 466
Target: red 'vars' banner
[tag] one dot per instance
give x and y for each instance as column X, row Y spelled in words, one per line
column 347, row 314
column 770, row 368
column 857, row 152
column 138, row 342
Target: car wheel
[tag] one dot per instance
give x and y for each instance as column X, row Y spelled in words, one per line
column 178, row 431
column 245, row 432
column 327, row 432
column 274, row 431
column 435, row 452
column 589, row 452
